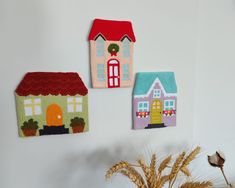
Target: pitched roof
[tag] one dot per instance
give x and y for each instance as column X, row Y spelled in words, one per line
column 111, row 30
column 54, row 83
column 144, row 81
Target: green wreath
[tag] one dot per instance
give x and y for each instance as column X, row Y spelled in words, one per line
column 113, row 49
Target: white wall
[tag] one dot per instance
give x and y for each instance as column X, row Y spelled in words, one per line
column 215, row 71
column 51, row 35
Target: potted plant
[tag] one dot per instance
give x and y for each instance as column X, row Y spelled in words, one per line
column 77, row 124
column 29, row 127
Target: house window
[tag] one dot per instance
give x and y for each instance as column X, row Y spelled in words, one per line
column 157, row 93
column 169, row 105
column 100, row 47
column 32, row 107
column 125, row 72
column 74, row 104
column 143, row 106
column 100, row 72
column 126, row 47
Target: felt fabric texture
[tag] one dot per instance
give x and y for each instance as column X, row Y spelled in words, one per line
column 154, row 100
column 144, row 81
column 111, row 53
column 111, row 30
column 56, row 111
column 54, row 83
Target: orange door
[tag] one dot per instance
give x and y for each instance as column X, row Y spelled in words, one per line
column 54, row 115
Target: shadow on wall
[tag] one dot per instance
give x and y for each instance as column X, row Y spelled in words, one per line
column 87, row 169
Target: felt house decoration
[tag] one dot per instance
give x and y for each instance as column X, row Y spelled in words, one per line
column 154, row 100
column 111, row 53
column 51, row 103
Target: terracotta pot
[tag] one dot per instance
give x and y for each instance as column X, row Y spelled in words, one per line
column 78, row 129
column 29, row 132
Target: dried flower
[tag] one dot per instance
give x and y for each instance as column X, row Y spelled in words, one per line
column 217, row 159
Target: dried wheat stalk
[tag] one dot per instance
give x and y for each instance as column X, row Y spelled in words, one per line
column 191, row 156
column 161, row 181
column 136, row 174
column 164, row 164
column 153, row 170
column 133, row 178
column 186, row 171
column 196, row 184
column 153, row 177
column 130, row 172
column 176, row 167
column 188, row 159
column 115, row 168
column 147, row 172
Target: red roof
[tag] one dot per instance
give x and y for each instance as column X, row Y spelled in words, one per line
column 54, row 83
column 111, row 30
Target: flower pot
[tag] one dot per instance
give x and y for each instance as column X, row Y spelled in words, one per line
column 78, row 129
column 29, row 132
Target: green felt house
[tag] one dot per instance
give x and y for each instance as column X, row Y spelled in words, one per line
column 50, row 103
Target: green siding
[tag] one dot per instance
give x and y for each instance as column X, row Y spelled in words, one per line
column 45, row 102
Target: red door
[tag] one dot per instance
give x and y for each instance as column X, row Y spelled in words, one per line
column 113, row 73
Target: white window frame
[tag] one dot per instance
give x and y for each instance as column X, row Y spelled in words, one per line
column 172, row 107
column 126, row 71
column 32, row 107
column 126, row 46
column 100, row 43
column 157, row 93
column 143, row 108
column 100, row 71
column 74, row 104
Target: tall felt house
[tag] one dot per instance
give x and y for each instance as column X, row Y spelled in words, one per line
column 154, row 100
column 51, row 103
column 111, row 53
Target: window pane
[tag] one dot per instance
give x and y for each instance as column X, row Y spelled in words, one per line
column 79, row 100
column 169, row 105
column 100, row 47
column 111, row 81
column 28, row 101
column 143, row 107
column 115, row 71
column 28, row 111
column 70, row 108
column 70, row 99
column 78, row 108
column 115, row 81
column 100, row 72
column 37, row 101
column 125, row 72
column 37, row 110
column 126, row 47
